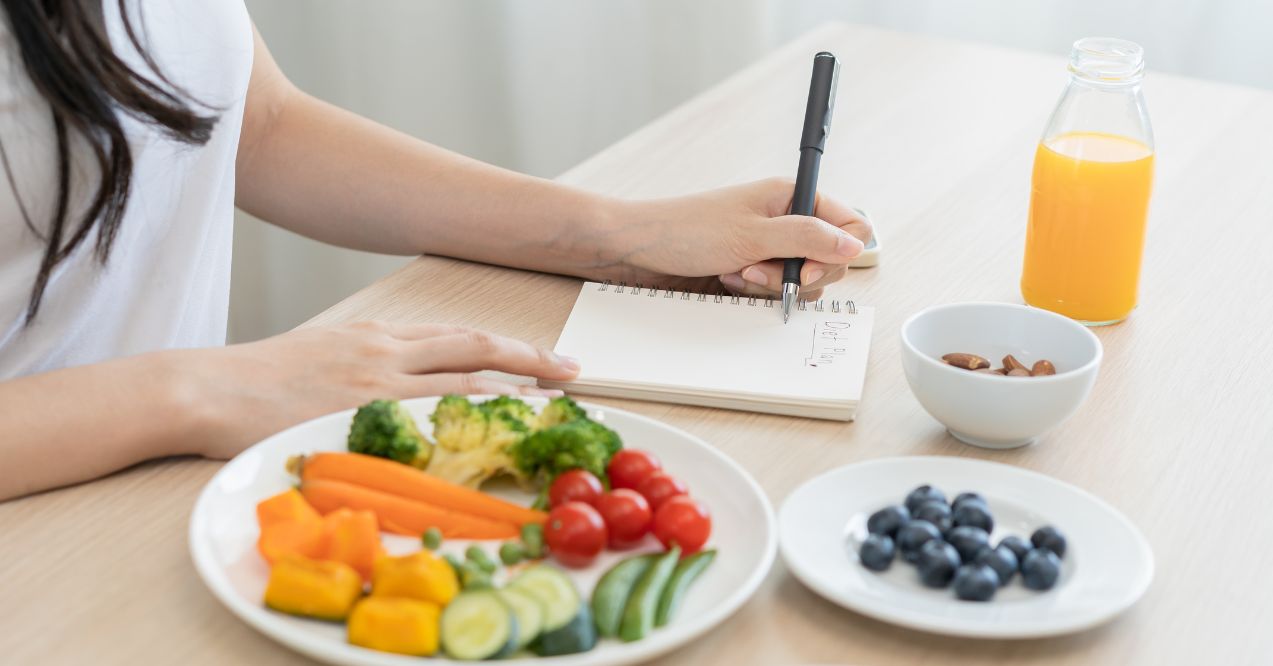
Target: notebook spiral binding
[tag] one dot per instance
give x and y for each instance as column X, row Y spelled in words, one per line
column 820, row 305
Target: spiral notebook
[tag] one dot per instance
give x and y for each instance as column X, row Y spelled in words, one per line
column 718, row 350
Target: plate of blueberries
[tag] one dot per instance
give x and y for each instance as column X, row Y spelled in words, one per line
column 963, row 547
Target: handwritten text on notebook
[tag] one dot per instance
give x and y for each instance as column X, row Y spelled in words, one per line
column 828, row 343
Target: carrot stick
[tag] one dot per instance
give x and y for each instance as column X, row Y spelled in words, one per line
column 403, row 480
column 398, row 514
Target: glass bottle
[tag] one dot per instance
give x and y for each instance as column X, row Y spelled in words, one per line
column 1090, row 191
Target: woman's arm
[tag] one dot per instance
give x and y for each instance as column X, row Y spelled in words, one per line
column 71, row 425
column 336, row 177
column 331, row 175
column 76, row 424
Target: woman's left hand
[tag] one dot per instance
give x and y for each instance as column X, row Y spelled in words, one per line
column 731, row 236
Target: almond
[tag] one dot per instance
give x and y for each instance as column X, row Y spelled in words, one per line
column 1010, row 363
column 966, row 361
column 1018, row 372
column 1043, row 367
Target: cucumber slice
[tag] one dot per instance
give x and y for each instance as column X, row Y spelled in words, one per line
column 529, row 612
column 554, row 590
column 613, row 590
column 578, row 635
column 682, row 578
column 478, row 625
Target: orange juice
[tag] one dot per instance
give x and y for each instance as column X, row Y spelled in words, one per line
column 1086, row 230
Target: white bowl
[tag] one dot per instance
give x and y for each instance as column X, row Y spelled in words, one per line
column 995, row 411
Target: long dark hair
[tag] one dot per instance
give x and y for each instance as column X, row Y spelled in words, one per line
column 68, row 56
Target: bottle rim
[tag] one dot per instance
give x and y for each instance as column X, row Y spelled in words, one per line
column 1107, row 60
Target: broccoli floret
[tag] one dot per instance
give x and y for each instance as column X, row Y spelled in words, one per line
column 580, row 444
column 473, row 440
column 384, row 429
column 457, row 424
column 503, row 431
column 558, row 411
column 509, row 406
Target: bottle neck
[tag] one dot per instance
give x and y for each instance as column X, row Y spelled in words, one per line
column 1130, row 84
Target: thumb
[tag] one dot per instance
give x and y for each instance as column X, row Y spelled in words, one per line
column 807, row 237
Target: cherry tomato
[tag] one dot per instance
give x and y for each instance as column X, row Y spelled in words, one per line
column 627, row 517
column 629, row 467
column 660, row 487
column 577, row 485
column 575, row 534
column 684, row 521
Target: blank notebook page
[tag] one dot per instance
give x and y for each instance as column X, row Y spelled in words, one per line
column 719, row 351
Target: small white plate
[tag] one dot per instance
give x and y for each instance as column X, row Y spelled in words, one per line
column 223, row 538
column 1107, row 565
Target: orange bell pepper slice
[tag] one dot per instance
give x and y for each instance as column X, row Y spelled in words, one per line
column 352, row 537
column 285, row 507
column 289, row 526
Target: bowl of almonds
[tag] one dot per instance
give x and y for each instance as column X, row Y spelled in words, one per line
column 998, row 375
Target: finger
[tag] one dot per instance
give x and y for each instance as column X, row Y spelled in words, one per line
column 843, row 217
column 736, row 285
column 803, row 236
column 473, row 350
column 409, row 331
column 405, row 330
column 814, row 275
column 468, row 384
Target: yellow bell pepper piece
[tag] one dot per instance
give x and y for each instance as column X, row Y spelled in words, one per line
column 312, row 588
column 421, row 575
column 389, row 624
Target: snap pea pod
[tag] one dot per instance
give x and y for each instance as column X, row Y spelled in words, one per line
column 612, row 592
column 638, row 612
column 686, row 572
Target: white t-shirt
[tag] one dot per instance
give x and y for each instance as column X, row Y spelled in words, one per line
column 167, row 282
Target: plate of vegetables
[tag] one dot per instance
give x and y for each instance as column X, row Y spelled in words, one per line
column 482, row 527
column 963, row 547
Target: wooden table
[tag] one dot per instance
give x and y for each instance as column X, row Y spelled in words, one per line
column 936, row 139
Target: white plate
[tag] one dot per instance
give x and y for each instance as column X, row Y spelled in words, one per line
column 223, row 538
column 1107, row 565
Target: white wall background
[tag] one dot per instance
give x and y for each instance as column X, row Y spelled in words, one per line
column 539, row 85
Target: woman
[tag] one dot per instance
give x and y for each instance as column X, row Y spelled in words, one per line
column 129, row 133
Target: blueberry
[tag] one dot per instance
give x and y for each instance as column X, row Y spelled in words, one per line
column 937, row 563
column 923, row 494
column 937, row 513
column 1001, row 559
column 976, row 582
column 968, row 541
column 913, row 535
column 877, row 552
column 967, row 497
column 1050, row 538
column 973, row 514
column 888, row 520
column 1040, row 569
column 1017, row 545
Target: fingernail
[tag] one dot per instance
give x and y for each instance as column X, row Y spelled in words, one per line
column 755, row 276
column 553, row 393
column 815, row 274
column 733, row 281
column 848, row 246
column 568, row 362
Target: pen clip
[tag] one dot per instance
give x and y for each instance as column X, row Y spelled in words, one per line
column 835, row 84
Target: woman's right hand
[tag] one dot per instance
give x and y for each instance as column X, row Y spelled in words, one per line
column 244, row 393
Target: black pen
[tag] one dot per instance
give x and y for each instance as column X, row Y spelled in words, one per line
column 817, row 125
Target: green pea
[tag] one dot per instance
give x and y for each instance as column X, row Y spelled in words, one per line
column 511, row 553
